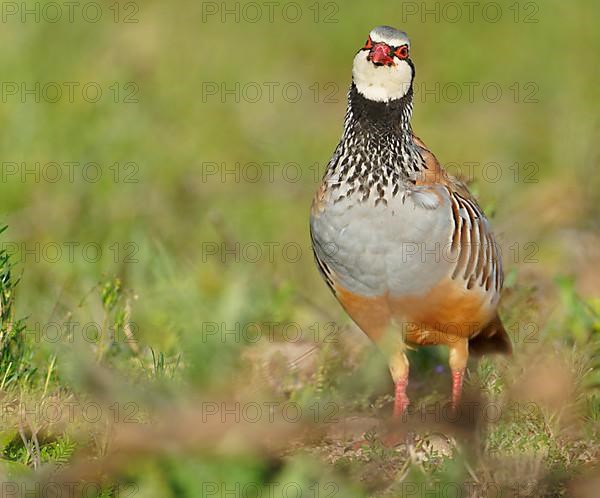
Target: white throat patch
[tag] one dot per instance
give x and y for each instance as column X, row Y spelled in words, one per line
column 381, row 83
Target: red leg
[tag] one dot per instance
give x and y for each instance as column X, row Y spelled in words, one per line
column 399, row 369
column 459, row 354
column 401, row 402
column 457, row 382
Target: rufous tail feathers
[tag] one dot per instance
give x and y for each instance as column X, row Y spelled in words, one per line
column 492, row 339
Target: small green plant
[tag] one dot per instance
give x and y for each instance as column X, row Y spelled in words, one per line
column 15, row 357
column 58, row 452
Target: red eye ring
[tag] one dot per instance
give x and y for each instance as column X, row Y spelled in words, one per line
column 401, row 52
column 368, row 44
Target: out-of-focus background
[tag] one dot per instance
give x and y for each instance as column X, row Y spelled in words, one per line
column 163, row 322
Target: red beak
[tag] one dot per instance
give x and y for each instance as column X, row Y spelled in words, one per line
column 380, row 55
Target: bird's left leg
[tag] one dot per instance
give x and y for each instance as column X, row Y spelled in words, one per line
column 459, row 354
column 399, row 369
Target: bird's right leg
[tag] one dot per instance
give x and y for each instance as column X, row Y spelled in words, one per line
column 399, row 369
column 459, row 354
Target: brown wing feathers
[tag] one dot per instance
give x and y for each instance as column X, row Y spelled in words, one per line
column 478, row 259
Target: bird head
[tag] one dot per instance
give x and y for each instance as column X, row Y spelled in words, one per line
column 382, row 69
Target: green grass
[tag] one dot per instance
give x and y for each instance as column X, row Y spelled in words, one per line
column 130, row 331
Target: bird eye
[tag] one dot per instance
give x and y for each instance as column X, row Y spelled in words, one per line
column 368, row 44
column 401, row 52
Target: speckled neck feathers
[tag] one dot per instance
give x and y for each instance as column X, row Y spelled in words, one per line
column 377, row 155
